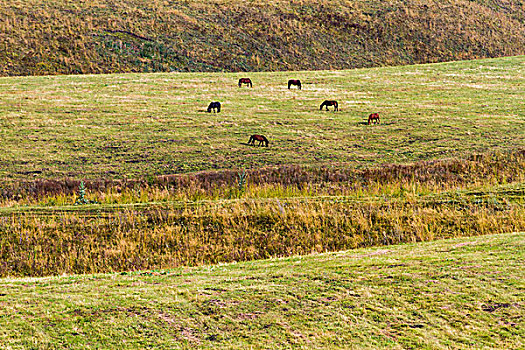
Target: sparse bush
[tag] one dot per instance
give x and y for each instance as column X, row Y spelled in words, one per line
column 81, row 195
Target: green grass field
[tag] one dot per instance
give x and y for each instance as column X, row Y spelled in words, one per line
column 138, row 125
column 450, row 294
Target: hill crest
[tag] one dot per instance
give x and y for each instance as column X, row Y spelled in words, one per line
column 63, row 37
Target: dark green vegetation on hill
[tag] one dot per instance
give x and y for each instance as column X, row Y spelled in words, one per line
column 452, row 294
column 63, row 37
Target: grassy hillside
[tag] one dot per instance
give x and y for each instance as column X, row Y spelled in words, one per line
column 143, row 125
column 63, row 37
column 452, row 294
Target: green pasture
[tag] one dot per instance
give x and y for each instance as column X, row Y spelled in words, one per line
column 136, row 125
column 463, row 293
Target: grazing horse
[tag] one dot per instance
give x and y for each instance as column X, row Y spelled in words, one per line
column 214, row 106
column 329, row 103
column 294, row 82
column 373, row 117
column 246, row 81
column 259, row 138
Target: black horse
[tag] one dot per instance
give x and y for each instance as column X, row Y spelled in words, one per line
column 294, row 82
column 246, row 81
column 214, row 106
column 259, row 138
column 329, row 103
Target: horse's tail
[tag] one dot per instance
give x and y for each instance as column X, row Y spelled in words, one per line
column 251, row 139
column 336, row 105
column 299, row 83
column 266, row 142
column 209, row 109
column 322, row 105
column 289, row 84
column 218, row 107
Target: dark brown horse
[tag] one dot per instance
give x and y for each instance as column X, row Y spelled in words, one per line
column 329, row 103
column 214, row 106
column 246, row 81
column 373, row 117
column 260, row 138
column 294, row 82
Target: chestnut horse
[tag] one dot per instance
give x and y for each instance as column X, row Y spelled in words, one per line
column 259, row 138
column 246, row 81
column 373, row 117
column 214, row 106
column 329, row 103
column 294, row 82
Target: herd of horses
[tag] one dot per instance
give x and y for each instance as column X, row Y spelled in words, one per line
column 263, row 141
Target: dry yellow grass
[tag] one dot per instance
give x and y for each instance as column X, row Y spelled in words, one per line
column 64, row 37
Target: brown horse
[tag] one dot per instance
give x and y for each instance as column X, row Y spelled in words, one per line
column 246, row 81
column 260, row 138
column 294, row 82
column 373, row 117
column 329, row 103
